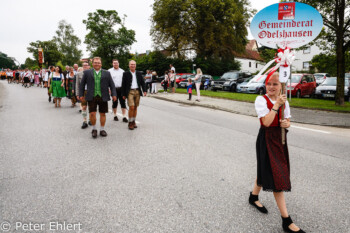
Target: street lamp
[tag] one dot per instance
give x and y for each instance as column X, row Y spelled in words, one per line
column 193, row 66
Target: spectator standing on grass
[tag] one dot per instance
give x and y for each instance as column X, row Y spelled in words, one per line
column 154, row 82
column 197, row 81
column 166, row 81
column 172, row 80
column 189, row 89
column 148, row 81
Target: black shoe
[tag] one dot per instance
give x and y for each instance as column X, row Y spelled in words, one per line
column 116, row 118
column 103, row 133
column 94, row 133
column 85, row 125
column 125, row 120
column 286, row 223
column 253, row 199
column 90, row 123
column 49, row 98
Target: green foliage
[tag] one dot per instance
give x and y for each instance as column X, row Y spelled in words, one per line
column 103, row 41
column 160, row 63
column 6, row 62
column 211, row 28
column 30, row 64
column 327, row 63
column 59, row 63
column 51, row 53
column 68, row 43
column 267, row 54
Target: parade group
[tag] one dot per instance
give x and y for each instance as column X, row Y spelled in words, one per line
column 94, row 87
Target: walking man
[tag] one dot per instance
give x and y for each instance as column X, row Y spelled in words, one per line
column 117, row 76
column 98, row 82
column 132, row 87
column 83, row 104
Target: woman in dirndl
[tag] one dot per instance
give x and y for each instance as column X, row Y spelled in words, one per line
column 57, row 86
column 69, row 86
column 36, row 77
column 273, row 166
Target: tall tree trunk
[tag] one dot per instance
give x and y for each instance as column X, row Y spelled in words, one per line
column 339, row 98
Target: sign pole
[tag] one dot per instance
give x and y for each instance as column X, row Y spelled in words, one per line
column 283, row 130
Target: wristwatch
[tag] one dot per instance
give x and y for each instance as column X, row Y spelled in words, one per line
column 276, row 111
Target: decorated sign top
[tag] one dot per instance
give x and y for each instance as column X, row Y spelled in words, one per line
column 291, row 24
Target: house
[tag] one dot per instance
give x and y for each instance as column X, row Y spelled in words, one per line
column 303, row 58
column 250, row 60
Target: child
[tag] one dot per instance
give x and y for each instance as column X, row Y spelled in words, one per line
column 189, row 89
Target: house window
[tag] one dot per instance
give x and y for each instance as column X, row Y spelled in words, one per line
column 306, row 65
column 250, row 64
column 307, row 50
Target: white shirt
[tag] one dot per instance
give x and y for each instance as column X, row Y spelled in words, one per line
column 134, row 84
column 117, row 76
column 46, row 78
column 27, row 74
column 148, row 78
column 262, row 110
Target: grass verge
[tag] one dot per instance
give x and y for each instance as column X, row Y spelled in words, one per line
column 307, row 103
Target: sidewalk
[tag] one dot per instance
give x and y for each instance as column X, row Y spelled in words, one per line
column 299, row 115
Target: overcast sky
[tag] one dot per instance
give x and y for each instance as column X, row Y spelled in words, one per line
column 25, row 21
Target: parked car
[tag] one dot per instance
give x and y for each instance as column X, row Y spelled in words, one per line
column 230, row 80
column 347, row 75
column 302, row 84
column 181, row 76
column 320, row 77
column 255, row 85
column 328, row 88
column 184, row 83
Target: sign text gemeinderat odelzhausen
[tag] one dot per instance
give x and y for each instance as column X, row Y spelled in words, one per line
column 289, row 24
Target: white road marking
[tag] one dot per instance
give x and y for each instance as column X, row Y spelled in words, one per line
column 122, row 116
column 314, row 130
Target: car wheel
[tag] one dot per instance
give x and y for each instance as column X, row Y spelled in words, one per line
column 312, row 95
column 261, row 91
column 233, row 88
column 298, row 94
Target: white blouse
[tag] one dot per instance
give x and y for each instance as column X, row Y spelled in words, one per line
column 262, row 110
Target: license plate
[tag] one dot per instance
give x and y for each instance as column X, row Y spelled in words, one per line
column 329, row 95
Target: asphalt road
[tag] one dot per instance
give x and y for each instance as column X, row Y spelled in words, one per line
column 185, row 169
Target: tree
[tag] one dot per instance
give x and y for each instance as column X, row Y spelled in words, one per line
column 210, row 28
column 67, row 43
column 336, row 18
column 51, row 53
column 103, row 41
column 31, row 64
column 6, row 62
column 328, row 63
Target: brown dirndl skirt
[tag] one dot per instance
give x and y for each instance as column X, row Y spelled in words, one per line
column 272, row 160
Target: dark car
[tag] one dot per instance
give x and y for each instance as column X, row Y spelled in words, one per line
column 205, row 77
column 329, row 87
column 230, row 80
column 320, row 77
column 302, row 84
column 255, row 86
